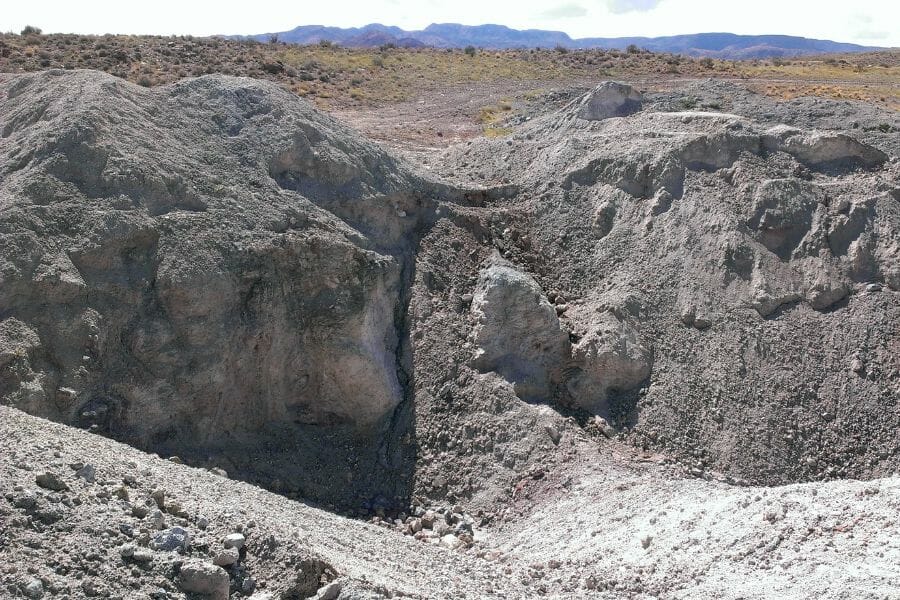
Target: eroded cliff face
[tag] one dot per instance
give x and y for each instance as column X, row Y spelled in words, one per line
column 160, row 284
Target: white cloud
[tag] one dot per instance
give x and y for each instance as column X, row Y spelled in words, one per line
column 565, row 11
column 624, row 6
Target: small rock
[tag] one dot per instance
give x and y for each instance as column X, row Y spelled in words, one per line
column 51, row 481
column 451, row 541
column 87, row 472
column 248, row 586
column 90, row 587
column 553, row 433
column 204, row 578
column 66, row 394
column 646, row 541
column 330, row 591
column 25, row 500
column 235, row 540
column 171, row 540
column 174, row 508
column 429, row 519
column 157, row 519
column 142, row 555
column 226, row 557
column 159, row 496
column 202, row 522
column 34, row 589
column 442, row 528
column 127, row 551
column 415, row 525
column 607, row 429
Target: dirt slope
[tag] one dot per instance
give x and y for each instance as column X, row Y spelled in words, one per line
column 578, row 533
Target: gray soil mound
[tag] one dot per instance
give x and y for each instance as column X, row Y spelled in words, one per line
column 741, row 277
column 169, row 279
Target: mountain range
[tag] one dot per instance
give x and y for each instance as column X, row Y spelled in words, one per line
column 454, row 35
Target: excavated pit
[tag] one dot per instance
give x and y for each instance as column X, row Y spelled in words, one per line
column 215, row 270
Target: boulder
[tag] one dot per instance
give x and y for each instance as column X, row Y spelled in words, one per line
column 610, row 99
column 517, row 332
column 611, row 356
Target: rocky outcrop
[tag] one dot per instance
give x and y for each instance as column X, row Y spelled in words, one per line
column 823, row 150
column 215, row 270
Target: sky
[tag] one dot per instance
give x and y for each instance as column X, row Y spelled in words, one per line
column 869, row 22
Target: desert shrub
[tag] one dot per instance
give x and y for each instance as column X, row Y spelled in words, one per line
column 688, row 103
column 632, row 49
column 273, row 39
column 470, row 50
column 31, row 30
column 561, row 49
column 378, row 61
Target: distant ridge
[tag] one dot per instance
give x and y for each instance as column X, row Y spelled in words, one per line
column 454, row 35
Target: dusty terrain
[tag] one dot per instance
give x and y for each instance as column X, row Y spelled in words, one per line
column 336, row 78
column 547, row 349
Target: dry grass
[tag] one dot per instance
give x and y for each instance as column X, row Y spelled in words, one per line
column 338, row 77
column 493, row 117
column 888, row 96
column 869, row 77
